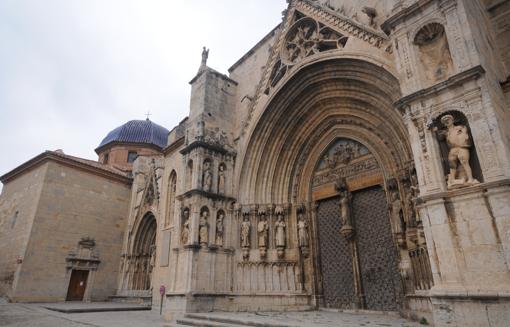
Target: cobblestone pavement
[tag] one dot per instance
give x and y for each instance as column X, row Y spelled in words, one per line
column 28, row 315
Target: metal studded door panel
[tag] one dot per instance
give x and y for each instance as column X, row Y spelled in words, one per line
column 336, row 257
column 377, row 253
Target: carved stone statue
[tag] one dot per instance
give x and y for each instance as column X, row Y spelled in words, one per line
column 411, row 208
column 459, row 143
column 302, row 230
column 263, row 235
column 204, row 229
column 205, row 56
column 280, row 235
column 185, row 227
column 219, row 229
column 207, row 179
column 396, row 212
column 221, row 179
column 345, row 209
column 245, row 236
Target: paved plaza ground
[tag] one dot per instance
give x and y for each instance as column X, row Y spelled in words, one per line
column 27, row 315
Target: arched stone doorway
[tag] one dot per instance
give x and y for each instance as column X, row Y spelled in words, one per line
column 142, row 256
column 321, row 104
column 358, row 259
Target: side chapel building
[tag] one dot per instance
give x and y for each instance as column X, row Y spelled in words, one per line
column 357, row 157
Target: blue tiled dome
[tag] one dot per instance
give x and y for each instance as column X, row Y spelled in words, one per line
column 138, row 131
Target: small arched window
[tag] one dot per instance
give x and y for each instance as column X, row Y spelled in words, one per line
column 172, row 188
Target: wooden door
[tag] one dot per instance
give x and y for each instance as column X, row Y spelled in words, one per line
column 77, row 285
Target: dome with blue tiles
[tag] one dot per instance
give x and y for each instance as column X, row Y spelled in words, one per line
column 137, row 131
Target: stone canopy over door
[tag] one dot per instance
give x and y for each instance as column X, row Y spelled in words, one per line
column 358, row 269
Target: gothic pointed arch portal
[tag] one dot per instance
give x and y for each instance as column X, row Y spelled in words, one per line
column 331, row 120
column 138, row 272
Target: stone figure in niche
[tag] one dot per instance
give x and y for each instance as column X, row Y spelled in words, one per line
column 411, row 208
column 280, row 234
column 185, row 227
column 245, row 236
column 396, row 210
column 459, row 144
column 302, row 226
column 207, row 178
column 221, row 179
column 204, row 228
column 219, row 229
column 345, row 209
column 263, row 235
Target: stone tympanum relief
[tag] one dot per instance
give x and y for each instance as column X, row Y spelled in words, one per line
column 185, row 230
column 280, row 227
column 434, row 52
column 203, row 230
column 344, row 159
column 459, row 145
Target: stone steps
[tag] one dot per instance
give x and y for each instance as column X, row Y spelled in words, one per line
column 203, row 320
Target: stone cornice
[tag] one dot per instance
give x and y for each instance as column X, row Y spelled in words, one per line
column 69, row 162
column 174, row 146
column 205, row 194
column 110, row 145
column 476, row 189
column 396, row 19
column 205, row 145
column 455, row 80
column 209, row 70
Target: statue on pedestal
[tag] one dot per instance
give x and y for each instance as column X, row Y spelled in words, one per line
column 280, row 233
column 345, row 209
column 263, row 235
column 221, row 179
column 302, row 226
column 245, row 236
column 203, row 235
column 207, row 178
column 185, row 227
column 219, row 229
column 459, row 144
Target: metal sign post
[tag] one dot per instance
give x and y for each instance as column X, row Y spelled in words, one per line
column 162, row 290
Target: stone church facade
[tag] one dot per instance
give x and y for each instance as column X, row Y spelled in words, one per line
column 357, row 157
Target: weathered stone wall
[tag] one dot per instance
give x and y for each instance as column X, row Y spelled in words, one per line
column 73, row 204
column 18, row 204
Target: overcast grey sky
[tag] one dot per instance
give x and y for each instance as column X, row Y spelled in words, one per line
column 72, row 70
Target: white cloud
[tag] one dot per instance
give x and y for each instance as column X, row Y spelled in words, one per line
column 72, row 70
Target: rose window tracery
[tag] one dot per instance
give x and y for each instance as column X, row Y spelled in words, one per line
column 305, row 38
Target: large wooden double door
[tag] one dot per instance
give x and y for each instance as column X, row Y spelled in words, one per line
column 361, row 272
